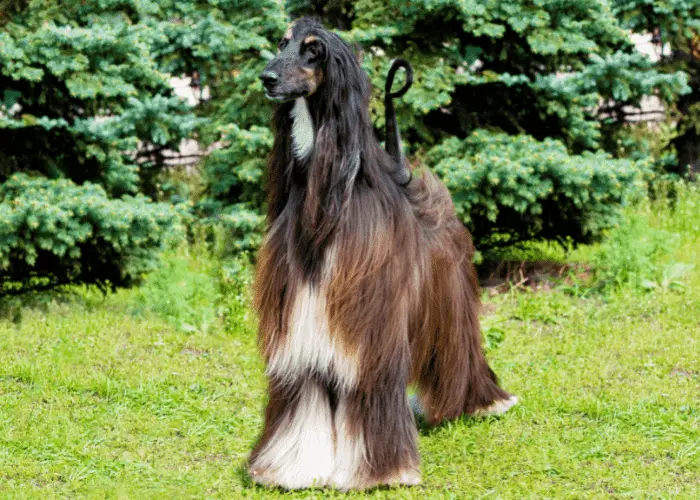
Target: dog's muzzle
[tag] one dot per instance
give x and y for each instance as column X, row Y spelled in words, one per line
column 269, row 81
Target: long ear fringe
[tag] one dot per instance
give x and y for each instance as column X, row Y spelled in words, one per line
column 343, row 115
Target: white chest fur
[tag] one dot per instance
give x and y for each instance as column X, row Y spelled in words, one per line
column 310, row 346
column 302, row 129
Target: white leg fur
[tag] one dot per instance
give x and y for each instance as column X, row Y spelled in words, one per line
column 497, row 407
column 302, row 453
column 349, row 453
column 302, row 129
column 494, row 409
column 310, row 346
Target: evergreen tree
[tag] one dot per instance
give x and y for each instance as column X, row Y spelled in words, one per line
column 86, row 114
column 676, row 23
column 225, row 44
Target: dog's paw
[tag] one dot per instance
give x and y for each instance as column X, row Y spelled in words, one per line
column 409, row 477
column 286, row 479
column 498, row 407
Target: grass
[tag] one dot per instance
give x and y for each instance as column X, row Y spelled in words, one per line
column 130, row 397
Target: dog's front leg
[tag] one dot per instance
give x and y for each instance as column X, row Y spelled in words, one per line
column 376, row 437
column 296, row 449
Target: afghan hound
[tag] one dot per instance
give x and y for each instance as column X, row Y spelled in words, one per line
column 365, row 284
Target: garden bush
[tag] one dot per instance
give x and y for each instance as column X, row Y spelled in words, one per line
column 512, row 189
column 83, row 94
column 649, row 250
column 235, row 291
column 196, row 290
column 87, row 118
column 54, row 232
column 637, row 255
column 234, row 177
column 183, row 290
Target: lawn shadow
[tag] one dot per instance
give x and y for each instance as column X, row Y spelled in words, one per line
column 500, row 276
column 427, row 430
column 14, row 303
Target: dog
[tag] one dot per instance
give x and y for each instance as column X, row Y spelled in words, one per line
column 364, row 284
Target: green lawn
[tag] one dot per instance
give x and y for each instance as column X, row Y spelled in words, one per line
column 100, row 398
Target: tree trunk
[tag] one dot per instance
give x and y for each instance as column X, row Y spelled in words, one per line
column 687, row 144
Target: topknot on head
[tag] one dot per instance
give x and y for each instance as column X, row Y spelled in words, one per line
column 302, row 27
column 308, row 22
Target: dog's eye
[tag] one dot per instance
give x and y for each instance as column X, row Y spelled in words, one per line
column 283, row 43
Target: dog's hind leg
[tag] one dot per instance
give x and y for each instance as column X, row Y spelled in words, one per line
column 453, row 375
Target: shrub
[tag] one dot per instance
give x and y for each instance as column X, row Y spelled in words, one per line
column 676, row 23
column 84, row 98
column 54, row 232
column 83, row 95
column 235, row 288
column 512, row 189
column 239, row 227
column 196, row 290
column 637, row 255
column 650, row 249
column 676, row 208
column 234, row 187
column 183, row 290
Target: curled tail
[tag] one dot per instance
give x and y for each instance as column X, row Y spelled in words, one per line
column 401, row 173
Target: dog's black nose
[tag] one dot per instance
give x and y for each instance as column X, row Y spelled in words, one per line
column 269, row 78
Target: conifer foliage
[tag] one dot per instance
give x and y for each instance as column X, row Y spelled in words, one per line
column 675, row 29
column 86, row 113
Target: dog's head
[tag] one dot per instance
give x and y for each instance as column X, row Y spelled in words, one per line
column 309, row 57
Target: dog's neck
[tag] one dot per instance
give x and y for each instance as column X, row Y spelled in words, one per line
column 302, row 129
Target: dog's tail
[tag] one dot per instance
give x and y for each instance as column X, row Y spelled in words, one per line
column 401, row 172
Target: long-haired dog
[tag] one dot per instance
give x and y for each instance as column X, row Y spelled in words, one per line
column 365, row 284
